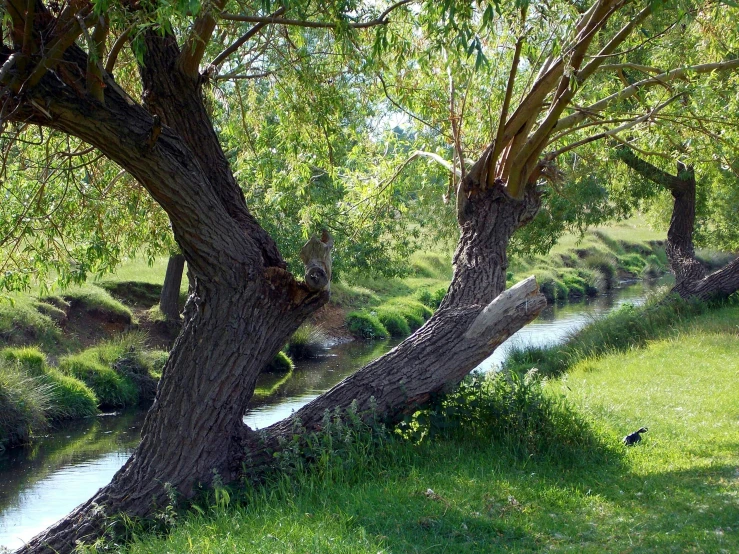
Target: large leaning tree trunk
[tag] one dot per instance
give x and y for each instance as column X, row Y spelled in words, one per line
column 691, row 280
column 243, row 306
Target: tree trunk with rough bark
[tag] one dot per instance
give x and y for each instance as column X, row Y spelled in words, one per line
column 169, row 300
column 691, row 280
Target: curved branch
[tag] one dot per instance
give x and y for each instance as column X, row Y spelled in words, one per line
column 238, row 43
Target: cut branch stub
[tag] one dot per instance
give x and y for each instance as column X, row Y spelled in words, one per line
column 316, row 255
column 519, row 301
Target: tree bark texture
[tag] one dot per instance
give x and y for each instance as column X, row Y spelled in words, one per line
column 244, row 304
column 169, row 300
column 690, row 275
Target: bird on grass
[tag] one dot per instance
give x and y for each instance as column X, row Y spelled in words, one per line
column 633, row 438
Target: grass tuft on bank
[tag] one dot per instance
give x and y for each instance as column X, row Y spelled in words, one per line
column 118, row 371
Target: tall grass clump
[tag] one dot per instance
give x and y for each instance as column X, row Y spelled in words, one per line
column 24, row 402
column 116, row 370
column 22, row 323
column 308, row 341
column 628, row 327
column 69, row 398
column 394, row 322
column 281, row 363
column 365, row 325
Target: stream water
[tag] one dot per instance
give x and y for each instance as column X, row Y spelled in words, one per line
column 42, row 483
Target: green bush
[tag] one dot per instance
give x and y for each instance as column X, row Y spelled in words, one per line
column 511, row 410
column 24, row 402
column 365, row 325
column 280, row 364
column 394, row 322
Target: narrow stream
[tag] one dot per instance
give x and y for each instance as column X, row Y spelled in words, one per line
column 41, row 484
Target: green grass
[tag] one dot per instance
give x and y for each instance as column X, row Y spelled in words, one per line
column 69, row 398
column 22, row 323
column 24, row 403
column 557, row 479
column 98, row 301
column 117, row 371
column 281, row 363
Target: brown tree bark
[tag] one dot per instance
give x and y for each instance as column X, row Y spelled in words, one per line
column 690, row 275
column 169, row 299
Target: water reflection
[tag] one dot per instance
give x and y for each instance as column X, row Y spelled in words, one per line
column 41, row 484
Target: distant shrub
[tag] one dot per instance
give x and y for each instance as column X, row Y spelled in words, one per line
column 366, row 326
column 280, row 364
column 394, row 322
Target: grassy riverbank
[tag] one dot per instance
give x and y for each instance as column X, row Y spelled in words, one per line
column 540, row 467
column 74, row 330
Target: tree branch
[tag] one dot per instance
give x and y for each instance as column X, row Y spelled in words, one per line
column 241, row 40
column 194, row 47
column 614, row 131
column 118, row 45
column 381, row 20
column 646, row 169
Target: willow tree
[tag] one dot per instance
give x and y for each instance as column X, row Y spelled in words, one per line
column 244, row 302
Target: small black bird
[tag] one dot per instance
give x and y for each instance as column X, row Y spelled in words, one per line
column 633, row 438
